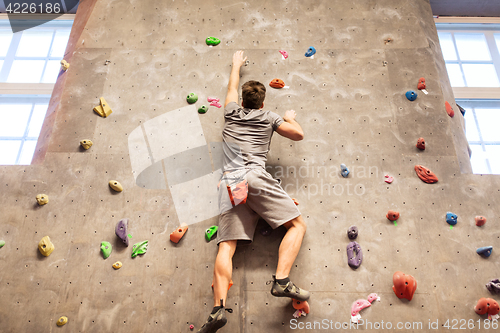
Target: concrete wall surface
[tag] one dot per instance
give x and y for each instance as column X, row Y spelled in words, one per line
column 350, row 100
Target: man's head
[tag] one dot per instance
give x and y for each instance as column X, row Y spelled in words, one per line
column 253, row 93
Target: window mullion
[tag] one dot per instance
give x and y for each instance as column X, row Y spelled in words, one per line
column 48, row 55
column 9, row 57
column 458, row 58
column 495, row 54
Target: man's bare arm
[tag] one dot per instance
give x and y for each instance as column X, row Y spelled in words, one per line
column 234, row 78
column 290, row 128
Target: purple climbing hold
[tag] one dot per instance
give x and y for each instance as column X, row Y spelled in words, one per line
column 494, row 286
column 354, row 254
column 352, row 233
column 121, row 230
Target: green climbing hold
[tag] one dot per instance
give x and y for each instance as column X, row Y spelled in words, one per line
column 210, row 232
column 212, row 41
column 2, row 243
column 203, row 109
column 192, row 98
column 106, row 249
column 139, row 248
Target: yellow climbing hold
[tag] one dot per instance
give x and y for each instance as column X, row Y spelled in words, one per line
column 62, row 321
column 42, row 199
column 86, row 144
column 115, row 185
column 117, row 265
column 103, row 108
column 65, row 65
column 45, row 246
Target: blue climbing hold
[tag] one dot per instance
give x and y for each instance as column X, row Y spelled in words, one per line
column 485, row 251
column 451, row 218
column 411, row 95
column 344, row 171
column 310, row 51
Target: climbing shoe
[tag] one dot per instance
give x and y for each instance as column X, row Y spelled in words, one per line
column 216, row 320
column 288, row 290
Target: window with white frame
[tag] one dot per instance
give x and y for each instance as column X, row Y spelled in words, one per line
column 29, row 63
column 472, row 57
column 482, row 118
column 471, row 54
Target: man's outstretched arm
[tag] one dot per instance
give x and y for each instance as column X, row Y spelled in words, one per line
column 290, row 128
column 234, row 78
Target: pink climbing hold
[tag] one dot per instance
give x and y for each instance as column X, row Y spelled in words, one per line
column 389, row 179
column 191, row 327
column 216, row 104
column 372, row 297
column 210, row 99
column 361, row 304
column 284, row 54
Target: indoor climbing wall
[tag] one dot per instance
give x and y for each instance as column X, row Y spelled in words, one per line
column 144, row 57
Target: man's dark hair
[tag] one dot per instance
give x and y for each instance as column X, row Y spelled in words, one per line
column 253, row 93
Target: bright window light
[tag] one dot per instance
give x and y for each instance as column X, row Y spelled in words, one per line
column 15, row 119
column 10, row 150
column 447, row 46
column 27, row 152
column 472, row 46
column 26, row 71
column 478, row 160
column 37, row 119
column 5, row 38
column 51, row 71
column 34, row 44
column 455, row 75
column 480, row 75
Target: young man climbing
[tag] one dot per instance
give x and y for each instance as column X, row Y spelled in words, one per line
column 247, row 190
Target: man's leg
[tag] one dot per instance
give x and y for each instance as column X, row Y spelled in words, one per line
column 290, row 246
column 288, row 251
column 223, row 270
column 222, row 275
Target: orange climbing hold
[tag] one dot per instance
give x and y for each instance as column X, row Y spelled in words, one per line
column 449, row 109
column 392, row 215
column 277, row 83
column 425, row 174
column 421, row 83
column 404, row 285
column 301, row 305
column 421, row 143
column 177, row 234
column 487, row 305
column 480, row 220
column 295, row 202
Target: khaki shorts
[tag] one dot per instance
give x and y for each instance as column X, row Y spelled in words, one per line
column 265, row 199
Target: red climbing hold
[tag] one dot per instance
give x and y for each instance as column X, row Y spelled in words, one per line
column 421, row 83
column 277, row 83
column 421, row 144
column 487, row 305
column 392, row 215
column 449, row 109
column 177, row 234
column 425, row 174
column 295, row 202
column 480, row 220
column 404, row 285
